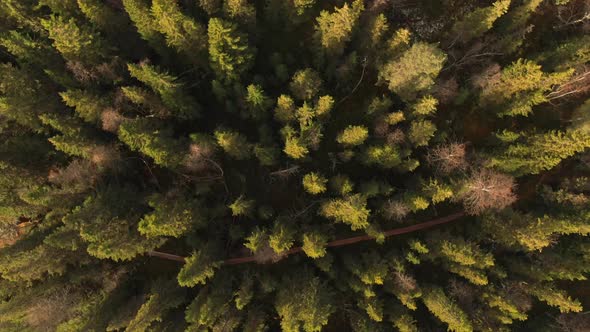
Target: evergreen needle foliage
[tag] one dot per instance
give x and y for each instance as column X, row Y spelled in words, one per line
column 238, row 165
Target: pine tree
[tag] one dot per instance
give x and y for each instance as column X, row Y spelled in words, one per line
column 314, row 244
column 21, row 98
column 168, row 88
column 305, row 84
column 139, row 12
column 421, row 132
column 101, row 15
column 106, row 222
column 88, row 105
column 385, row 156
column 414, row 71
column 281, row 237
column 353, row 135
column 520, row 86
column 172, row 216
column 240, row 11
column 180, row 30
column 444, row 309
column 256, row 101
column 314, row 183
column 477, row 22
column 304, row 303
column 199, row 267
column 514, row 24
column 234, row 144
column 350, row 210
column 334, row 30
column 304, row 159
column 74, row 41
column 229, row 53
column 242, row 207
column 164, row 296
column 540, row 152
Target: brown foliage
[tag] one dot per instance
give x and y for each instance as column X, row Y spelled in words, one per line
column 50, row 311
column 267, row 255
column 574, row 322
column 446, row 91
column 489, row 76
column 395, row 210
column 448, row 157
column 111, row 120
column 106, row 71
column 79, row 172
column 104, row 156
column 381, row 127
column 198, row 156
column 395, row 137
column 486, row 189
column 463, row 292
column 404, row 282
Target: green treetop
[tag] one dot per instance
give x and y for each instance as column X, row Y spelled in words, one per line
column 143, row 135
column 477, row 22
column 139, row 12
column 353, row 135
column 314, row 244
column 234, row 144
column 446, row 310
column 240, row 11
column 421, row 132
column 101, row 15
column 314, row 183
column 305, row 84
column 304, row 303
column 414, row 71
column 242, row 207
column 540, row 152
column 171, row 217
column 74, row 41
column 181, row 31
column 519, row 87
column 108, row 223
column 285, row 109
column 167, row 87
column 351, row 210
column 199, row 268
column 334, row 30
column 89, row 106
column 229, row 53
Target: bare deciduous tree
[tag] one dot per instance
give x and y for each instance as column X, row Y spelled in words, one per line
column 111, row 120
column 575, row 12
column 395, row 137
column 79, row 173
column 578, row 84
column 404, row 281
column 487, row 189
column 448, row 157
column 447, row 90
column 395, row 210
column 50, row 311
column 198, row 157
column 104, row 155
column 381, row 127
column 573, row 322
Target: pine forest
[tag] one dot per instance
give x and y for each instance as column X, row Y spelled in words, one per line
column 294, row 165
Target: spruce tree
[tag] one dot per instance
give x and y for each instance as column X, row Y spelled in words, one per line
column 295, row 165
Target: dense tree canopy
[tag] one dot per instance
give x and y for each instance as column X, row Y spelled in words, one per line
column 241, row 165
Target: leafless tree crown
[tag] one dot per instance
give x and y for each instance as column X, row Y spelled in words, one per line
column 487, row 189
column 448, row 157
